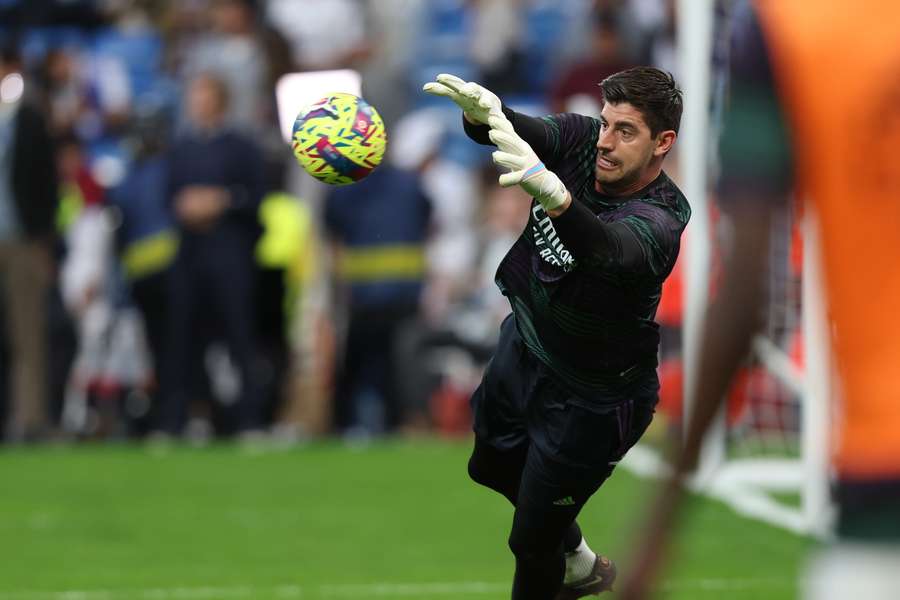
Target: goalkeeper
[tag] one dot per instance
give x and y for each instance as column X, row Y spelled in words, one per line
column 573, row 383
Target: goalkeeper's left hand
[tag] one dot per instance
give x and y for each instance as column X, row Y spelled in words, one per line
column 478, row 103
column 526, row 169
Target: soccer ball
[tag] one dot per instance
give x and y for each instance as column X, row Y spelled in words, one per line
column 339, row 139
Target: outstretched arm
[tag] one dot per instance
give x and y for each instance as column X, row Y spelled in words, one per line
column 479, row 104
column 523, row 144
column 588, row 238
column 530, row 129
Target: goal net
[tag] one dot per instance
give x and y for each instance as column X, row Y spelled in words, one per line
column 767, row 456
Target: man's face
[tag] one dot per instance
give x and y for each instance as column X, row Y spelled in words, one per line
column 230, row 16
column 625, row 147
column 204, row 102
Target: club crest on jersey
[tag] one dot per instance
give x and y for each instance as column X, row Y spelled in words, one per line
column 547, row 242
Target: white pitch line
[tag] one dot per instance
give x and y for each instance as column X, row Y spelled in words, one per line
column 383, row 590
column 471, row 588
column 728, row 585
column 285, row 592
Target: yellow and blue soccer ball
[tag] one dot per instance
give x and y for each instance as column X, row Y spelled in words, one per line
column 339, row 139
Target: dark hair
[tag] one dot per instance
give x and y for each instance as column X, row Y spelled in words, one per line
column 652, row 91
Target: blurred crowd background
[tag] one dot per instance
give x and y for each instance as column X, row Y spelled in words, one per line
column 169, row 272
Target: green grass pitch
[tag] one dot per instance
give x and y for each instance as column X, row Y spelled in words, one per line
column 395, row 520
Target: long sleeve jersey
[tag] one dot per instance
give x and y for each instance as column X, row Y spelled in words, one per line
column 585, row 286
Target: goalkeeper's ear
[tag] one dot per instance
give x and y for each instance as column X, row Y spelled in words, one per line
column 664, row 142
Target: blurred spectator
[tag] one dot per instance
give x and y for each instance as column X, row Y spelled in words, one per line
column 389, row 70
column 450, row 254
column 661, row 42
column 235, row 52
column 62, row 90
column 443, row 359
column 28, row 198
column 181, row 24
column 496, row 45
column 416, row 145
column 292, row 245
column 379, row 226
column 146, row 238
column 132, row 40
column 216, row 183
column 24, row 13
column 284, row 256
column 88, row 239
column 110, row 358
column 577, row 89
column 90, row 95
column 635, row 20
column 323, row 34
column 503, row 219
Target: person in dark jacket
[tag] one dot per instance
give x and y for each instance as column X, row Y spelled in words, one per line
column 28, row 199
column 216, row 183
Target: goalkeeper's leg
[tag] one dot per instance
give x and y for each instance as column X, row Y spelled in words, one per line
column 544, row 535
column 501, row 471
column 571, row 454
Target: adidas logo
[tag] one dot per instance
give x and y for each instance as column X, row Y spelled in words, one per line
column 567, row 501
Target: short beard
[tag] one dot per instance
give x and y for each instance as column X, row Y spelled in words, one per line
column 622, row 183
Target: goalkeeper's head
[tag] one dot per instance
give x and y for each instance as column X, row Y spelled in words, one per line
column 639, row 123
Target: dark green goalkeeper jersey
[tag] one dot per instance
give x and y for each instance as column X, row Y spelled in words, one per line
column 585, row 286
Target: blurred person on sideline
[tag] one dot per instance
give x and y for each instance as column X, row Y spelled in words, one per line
column 576, row 87
column 573, row 382
column 659, row 39
column 110, row 359
column 28, row 200
column 502, row 219
column 789, row 128
column 454, row 354
column 84, row 277
column 497, row 45
column 323, row 34
column 451, row 253
column 287, row 259
column 90, row 95
column 80, row 219
column 147, row 237
column 181, row 24
column 236, row 52
column 379, row 226
column 215, row 184
column 417, row 142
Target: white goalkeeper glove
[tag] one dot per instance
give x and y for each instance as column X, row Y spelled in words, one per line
column 477, row 102
column 526, row 169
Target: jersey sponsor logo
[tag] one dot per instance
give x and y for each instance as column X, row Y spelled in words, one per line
column 549, row 246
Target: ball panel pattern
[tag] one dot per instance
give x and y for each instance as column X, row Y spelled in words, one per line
column 340, row 139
